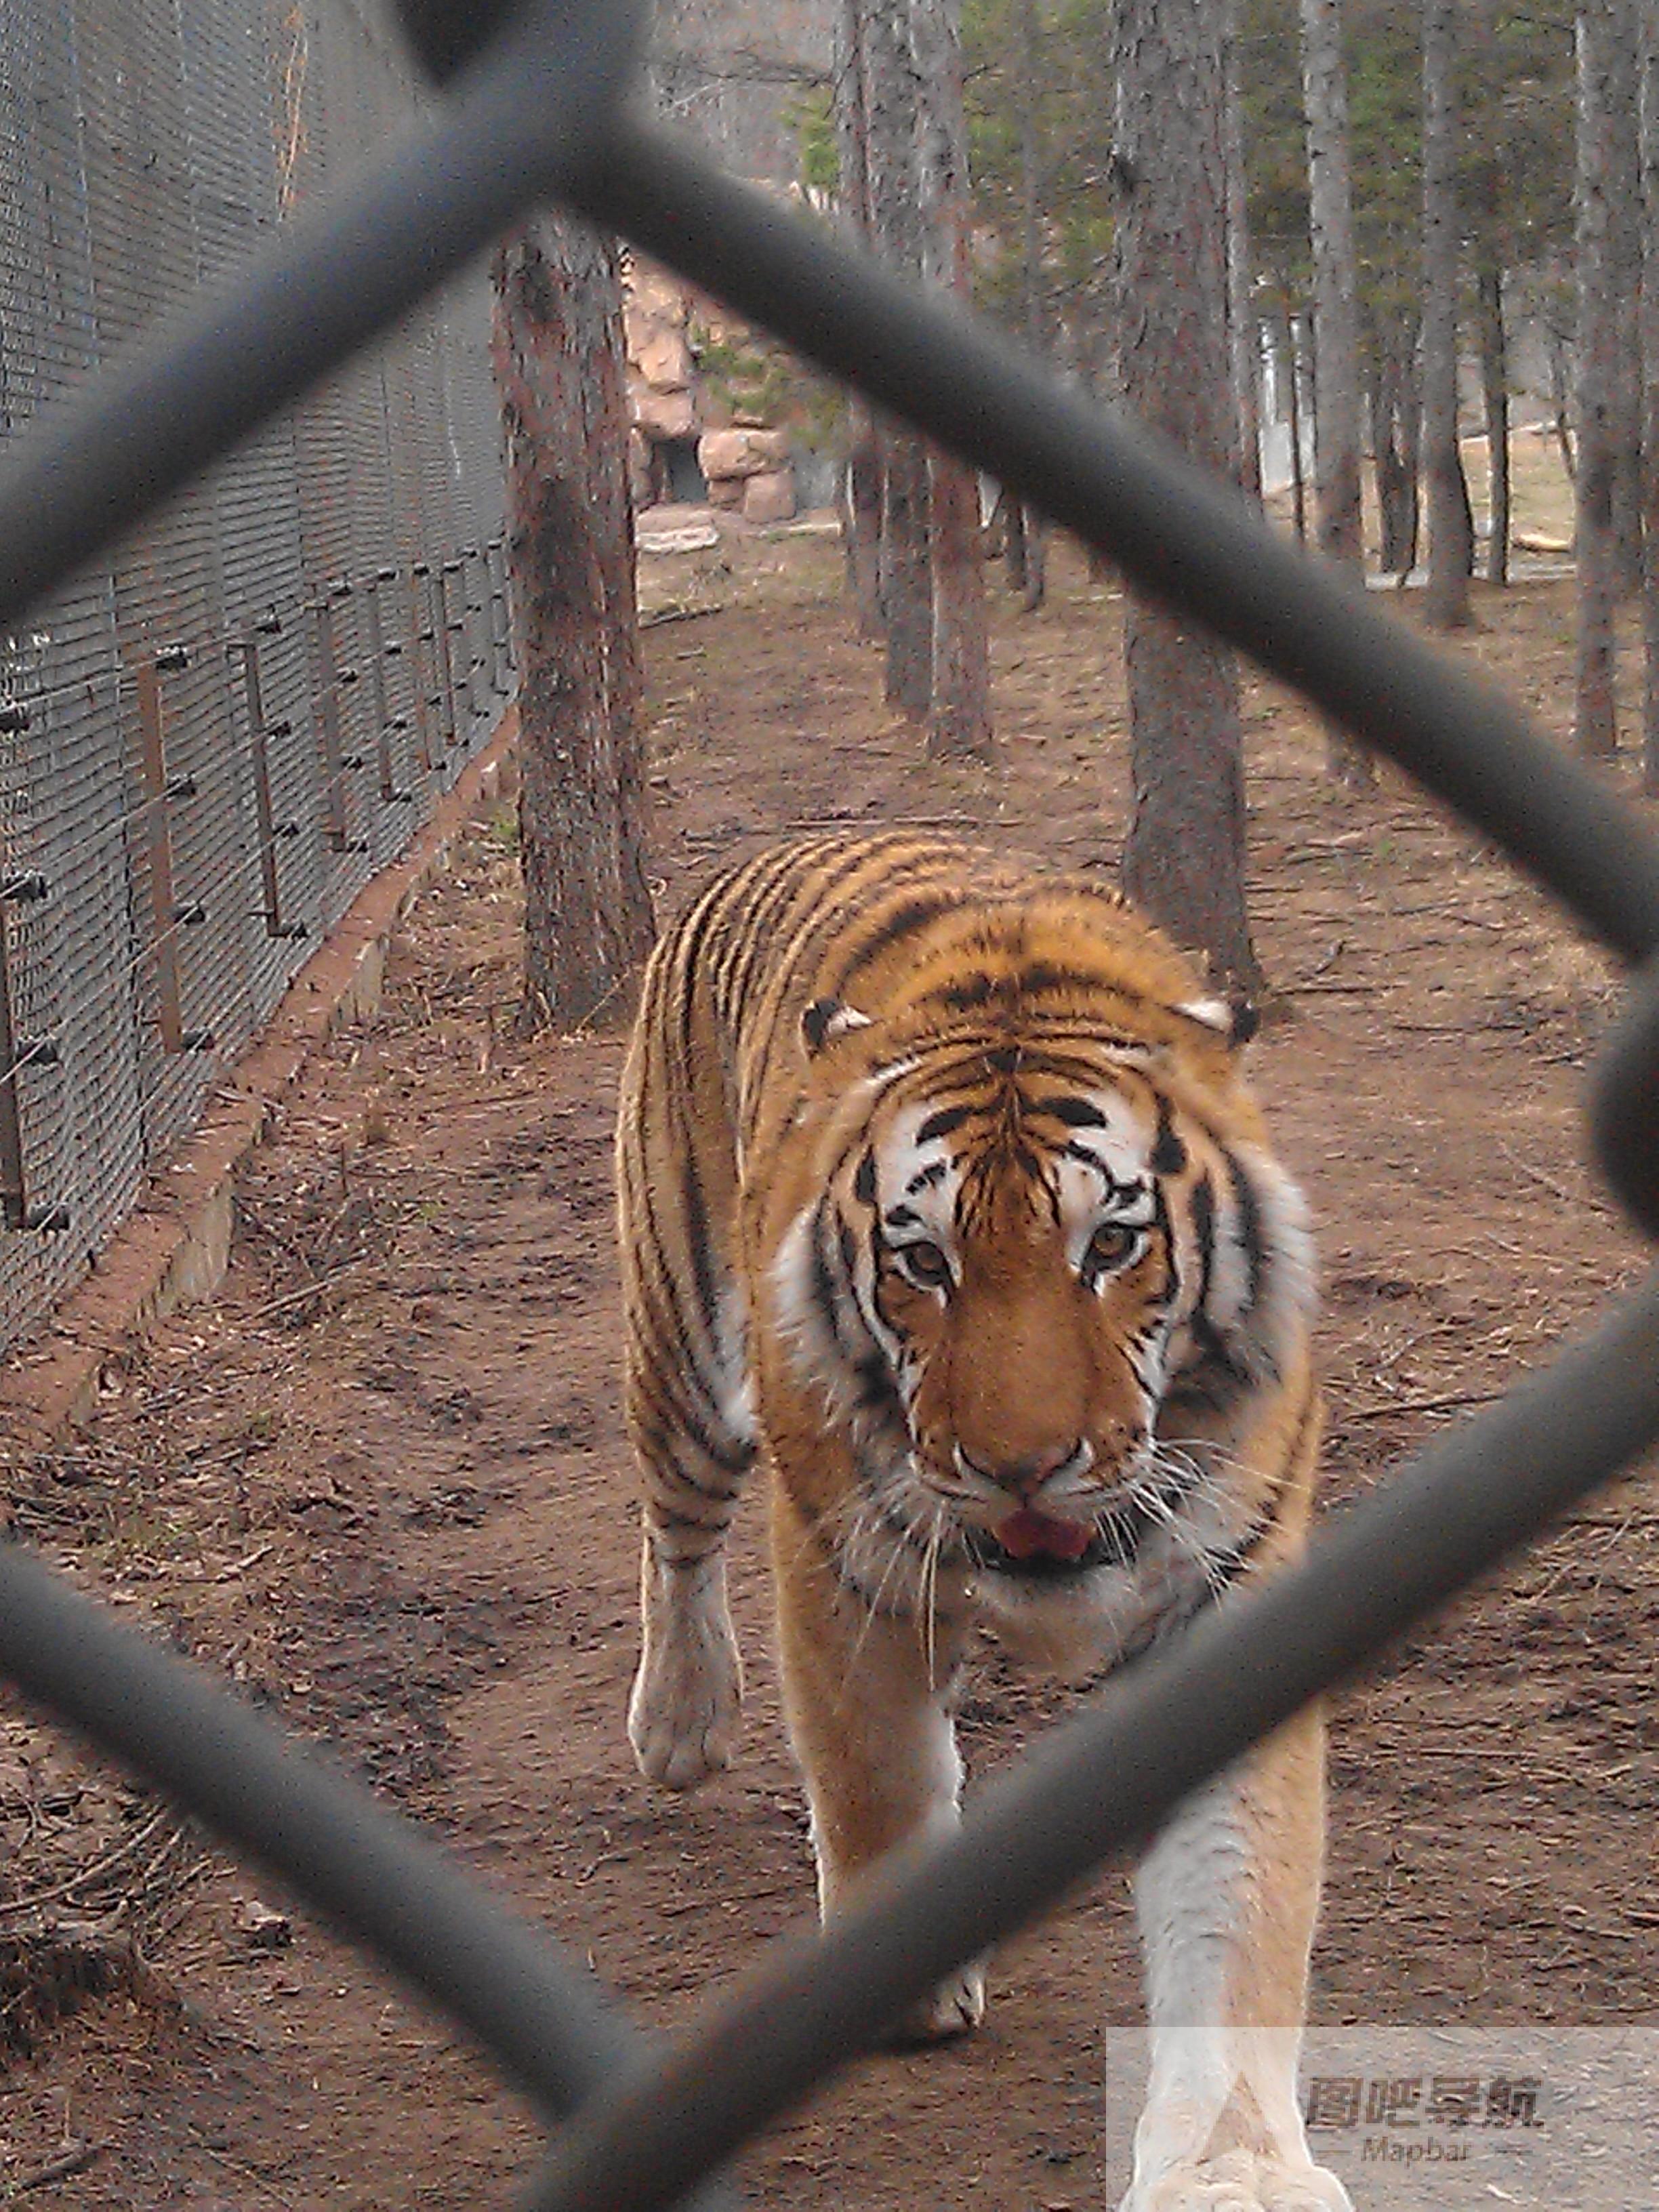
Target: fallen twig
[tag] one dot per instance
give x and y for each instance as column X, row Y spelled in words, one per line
column 1585, row 1197
column 95, row 1870
column 305, row 1291
column 60, row 2169
column 1452, row 1403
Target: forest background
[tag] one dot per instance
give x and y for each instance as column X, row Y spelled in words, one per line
column 1297, row 230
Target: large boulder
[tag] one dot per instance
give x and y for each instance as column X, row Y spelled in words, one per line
column 664, row 414
column 663, row 360
column 638, row 466
column 741, row 452
column 770, row 497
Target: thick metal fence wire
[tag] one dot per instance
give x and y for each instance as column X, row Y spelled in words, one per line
column 540, row 106
column 212, row 737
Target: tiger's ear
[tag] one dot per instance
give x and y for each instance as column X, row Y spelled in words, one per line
column 826, row 1020
column 1235, row 1019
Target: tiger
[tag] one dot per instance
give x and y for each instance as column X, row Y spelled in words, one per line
column 940, row 1191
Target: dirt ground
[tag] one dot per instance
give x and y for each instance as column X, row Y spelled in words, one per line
column 379, row 1485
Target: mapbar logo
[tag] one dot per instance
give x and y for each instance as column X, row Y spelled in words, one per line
column 1396, row 2150
column 1453, row 2118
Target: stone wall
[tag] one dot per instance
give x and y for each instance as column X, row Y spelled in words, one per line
column 743, row 460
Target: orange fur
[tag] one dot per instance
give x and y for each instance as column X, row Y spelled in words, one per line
column 941, row 1192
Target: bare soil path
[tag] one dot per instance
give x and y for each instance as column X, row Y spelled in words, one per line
column 381, row 1485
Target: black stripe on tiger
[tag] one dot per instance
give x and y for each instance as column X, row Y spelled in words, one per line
column 904, row 920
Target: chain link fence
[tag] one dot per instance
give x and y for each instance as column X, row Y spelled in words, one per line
column 538, row 106
column 210, row 738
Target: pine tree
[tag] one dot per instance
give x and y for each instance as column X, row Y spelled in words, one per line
column 901, row 95
column 559, row 365
column 1601, row 48
column 861, row 518
column 1451, row 536
column 1336, row 318
column 959, row 703
column 1184, row 857
column 892, row 94
column 1244, row 335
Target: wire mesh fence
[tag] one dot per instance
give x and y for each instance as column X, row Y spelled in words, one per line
column 209, row 739
column 540, row 106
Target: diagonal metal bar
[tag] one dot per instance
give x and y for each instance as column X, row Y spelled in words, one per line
column 1181, row 533
column 1625, row 1104
column 1103, row 1782
column 556, row 2033
column 519, row 125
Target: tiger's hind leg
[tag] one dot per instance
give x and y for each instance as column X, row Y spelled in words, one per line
column 687, row 1419
column 686, row 1707
column 686, row 1396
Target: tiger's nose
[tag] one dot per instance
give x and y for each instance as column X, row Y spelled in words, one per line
column 1023, row 1478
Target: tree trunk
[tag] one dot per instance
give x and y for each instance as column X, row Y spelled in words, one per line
column 1409, row 397
column 890, row 98
column 906, row 583
column 1184, row 855
column 1600, row 338
column 1027, row 562
column 1561, row 406
column 1036, row 561
column 1242, row 337
column 1625, row 248
column 850, row 95
column 559, row 365
column 1451, row 546
column 860, row 522
column 1330, row 210
column 1293, row 423
column 1336, row 287
column 861, row 503
column 959, row 708
column 1493, row 222
column 1011, row 512
column 1495, row 386
column 1648, row 67
column 1394, row 437
column 959, row 713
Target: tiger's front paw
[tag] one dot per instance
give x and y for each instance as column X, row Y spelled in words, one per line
column 1239, row 2181
column 955, row 2008
column 686, row 1705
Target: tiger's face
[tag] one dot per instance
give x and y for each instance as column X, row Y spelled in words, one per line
column 1029, row 1286
column 1022, row 1285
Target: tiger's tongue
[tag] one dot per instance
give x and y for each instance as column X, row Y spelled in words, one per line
column 1028, row 1534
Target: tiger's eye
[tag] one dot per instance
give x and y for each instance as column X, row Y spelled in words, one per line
column 1111, row 1246
column 925, row 1264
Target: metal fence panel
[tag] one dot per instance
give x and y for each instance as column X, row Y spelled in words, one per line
column 77, row 1118
column 207, row 744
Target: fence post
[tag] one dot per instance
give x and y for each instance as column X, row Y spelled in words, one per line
column 381, row 648
column 438, row 598
column 167, row 916
column 269, row 830
column 501, row 620
column 23, row 885
column 331, row 679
